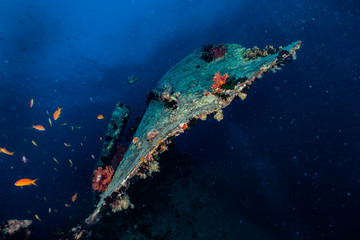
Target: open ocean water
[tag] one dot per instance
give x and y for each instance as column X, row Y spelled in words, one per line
column 283, row 164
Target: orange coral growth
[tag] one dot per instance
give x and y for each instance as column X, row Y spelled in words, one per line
column 218, row 81
column 102, row 178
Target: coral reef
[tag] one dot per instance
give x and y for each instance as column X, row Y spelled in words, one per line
column 166, row 95
column 219, row 115
column 15, row 229
column 218, row 81
column 212, row 52
column 151, row 135
column 102, row 178
column 255, row 52
column 122, row 203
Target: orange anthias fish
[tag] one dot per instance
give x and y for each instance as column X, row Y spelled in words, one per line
column 100, row 117
column 39, row 127
column 31, row 103
column 25, row 182
column 73, row 198
column 57, row 113
column 4, row 150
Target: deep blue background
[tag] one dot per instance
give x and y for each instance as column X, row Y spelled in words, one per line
column 294, row 143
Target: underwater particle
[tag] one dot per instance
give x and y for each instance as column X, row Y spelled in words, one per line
column 67, row 144
column 219, row 115
column 102, row 178
column 50, row 123
column 67, row 205
column 132, row 79
column 100, row 117
column 34, row 143
column 151, row 135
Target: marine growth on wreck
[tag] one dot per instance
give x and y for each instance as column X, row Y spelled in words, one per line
column 201, row 84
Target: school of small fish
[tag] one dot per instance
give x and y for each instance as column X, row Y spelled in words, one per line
column 32, row 182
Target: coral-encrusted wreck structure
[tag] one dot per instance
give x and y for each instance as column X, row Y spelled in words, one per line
column 15, row 229
column 203, row 83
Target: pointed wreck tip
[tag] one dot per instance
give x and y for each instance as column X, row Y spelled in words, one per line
column 298, row 44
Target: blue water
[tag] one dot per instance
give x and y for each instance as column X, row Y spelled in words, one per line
column 291, row 148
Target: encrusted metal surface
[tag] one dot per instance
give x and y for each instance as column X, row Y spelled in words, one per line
column 188, row 84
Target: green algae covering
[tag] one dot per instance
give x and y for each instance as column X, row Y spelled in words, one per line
column 187, row 92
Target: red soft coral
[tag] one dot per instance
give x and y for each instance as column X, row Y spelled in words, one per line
column 218, row 51
column 212, row 52
column 218, row 81
column 102, row 178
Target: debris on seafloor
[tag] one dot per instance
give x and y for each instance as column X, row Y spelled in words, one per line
column 201, row 84
column 15, row 229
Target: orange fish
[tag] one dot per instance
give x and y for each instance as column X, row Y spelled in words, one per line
column 39, row 127
column 57, row 113
column 73, row 198
column 100, row 117
column 31, row 103
column 4, row 150
column 25, row 182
